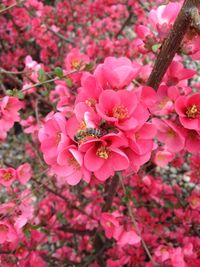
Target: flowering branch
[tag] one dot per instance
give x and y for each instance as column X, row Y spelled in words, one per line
column 187, row 15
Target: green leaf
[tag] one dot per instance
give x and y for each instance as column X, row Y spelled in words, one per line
column 9, row 92
column 58, row 72
column 60, row 217
column 20, row 95
column 17, row 93
column 41, row 75
column 69, row 82
column 26, row 231
column 89, row 66
column 155, row 47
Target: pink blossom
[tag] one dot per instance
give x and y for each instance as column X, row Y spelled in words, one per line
column 116, row 72
column 7, row 232
column 164, row 16
column 109, row 223
column 124, row 237
column 105, row 155
column 178, row 75
column 7, row 176
column 177, row 258
column 75, row 60
column 163, row 157
column 192, row 142
column 170, row 134
column 162, row 252
column 188, row 109
column 89, row 92
column 50, row 135
column 118, row 107
column 70, row 167
column 24, row 173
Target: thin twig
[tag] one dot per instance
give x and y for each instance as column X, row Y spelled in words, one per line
column 47, row 81
column 130, row 212
column 58, row 34
column 11, row 6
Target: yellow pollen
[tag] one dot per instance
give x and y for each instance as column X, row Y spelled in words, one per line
column 109, row 224
column 194, row 202
column 171, row 133
column 103, row 152
column 91, row 102
column 72, row 162
column 161, row 157
column 7, row 176
column 192, row 112
column 75, row 63
column 120, row 112
column 58, row 138
column 82, row 126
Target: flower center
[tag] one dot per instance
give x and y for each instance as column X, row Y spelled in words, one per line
column 58, row 138
column 120, row 112
column 91, row 102
column 75, row 63
column 82, row 126
column 7, row 176
column 171, row 133
column 192, row 112
column 3, row 228
column 103, row 152
column 194, row 202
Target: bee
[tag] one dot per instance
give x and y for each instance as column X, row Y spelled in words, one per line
column 81, row 135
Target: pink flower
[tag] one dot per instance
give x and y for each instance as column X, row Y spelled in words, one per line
column 164, row 16
column 7, row 176
column 109, row 223
column 9, row 107
column 188, row 109
column 141, row 139
column 194, row 201
column 75, row 60
column 70, row 167
column 7, row 232
column 50, row 135
column 192, row 142
column 178, row 75
column 124, row 237
column 116, row 72
column 89, row 92
column 24, row 173
column 165, row 97
column 118, row 107
column 162, row 252
column 104, row 156
column 162, row 158
column 177, row 258
column 170, row 134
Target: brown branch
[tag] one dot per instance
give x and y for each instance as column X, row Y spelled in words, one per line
column 173, row 41
column 62, row 37
column 127, row 21
column 110, row 193
column 68, row 229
